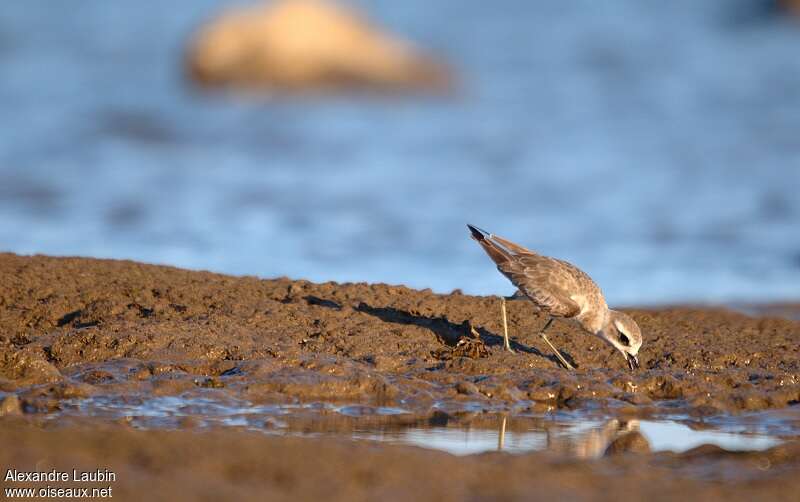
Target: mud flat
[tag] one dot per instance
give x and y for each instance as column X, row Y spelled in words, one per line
column 186, row 383
column 181, row 465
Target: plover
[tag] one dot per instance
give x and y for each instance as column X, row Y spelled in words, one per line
column 560, row 289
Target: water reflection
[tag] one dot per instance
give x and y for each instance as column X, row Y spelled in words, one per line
column 591, row 442
column 574, row 438
column 460, row 434
column 580, row 440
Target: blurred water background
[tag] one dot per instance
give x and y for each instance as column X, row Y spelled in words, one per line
column 654, row 144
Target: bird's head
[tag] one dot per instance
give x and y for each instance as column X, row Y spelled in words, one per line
column 622, row 333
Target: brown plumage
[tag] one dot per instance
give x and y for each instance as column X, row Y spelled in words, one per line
column 561, row 289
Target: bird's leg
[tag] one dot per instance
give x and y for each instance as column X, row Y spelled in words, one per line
column 555, row 350
column 501, row 437
column 506, row 343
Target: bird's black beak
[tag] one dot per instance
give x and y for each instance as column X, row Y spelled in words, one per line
column 633, row 362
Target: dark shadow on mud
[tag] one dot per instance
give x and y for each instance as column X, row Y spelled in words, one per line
column 315, row 300
column 450, row 333
column 447, row 332
column 492, row 339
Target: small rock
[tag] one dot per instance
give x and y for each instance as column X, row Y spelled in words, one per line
column 10, row 405
column 33, row 369
column 385, row 363
column 510, row 393
column 97, row 377
column 791, row 7
column 7, row 385
column 543, row 394
column 384, row 391
column 439, row 419
column 189, row 423
column 632, row 442
column 210, row 383
column 664, row 387
column 566, row 392
column 307, row 45
column 750, row 400
column 706, row 451
column 636, row 398
column 71, row 390
column 783, row 396
column 470, row 347
column 466, row 387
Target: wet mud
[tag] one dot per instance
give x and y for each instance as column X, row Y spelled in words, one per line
column 182, row 465
column 78, row 331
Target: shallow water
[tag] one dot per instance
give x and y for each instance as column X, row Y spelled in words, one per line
column 653, row 144
column 584, row 439
column 572, row 434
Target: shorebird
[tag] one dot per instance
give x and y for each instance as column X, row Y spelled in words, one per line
column 560, row 289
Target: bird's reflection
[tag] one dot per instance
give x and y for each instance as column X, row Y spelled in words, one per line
column 590, row 443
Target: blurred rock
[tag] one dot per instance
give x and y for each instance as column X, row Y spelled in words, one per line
column 307, row 45
column 632, row 442
column 466, row 387
column 10, row 405
column 791, row 7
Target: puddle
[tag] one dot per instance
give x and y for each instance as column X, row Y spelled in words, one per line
column 169, row 412
column 678, row 437
column 572, row 435
column 583, row 439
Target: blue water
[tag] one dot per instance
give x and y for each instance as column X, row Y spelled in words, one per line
column 654, row 144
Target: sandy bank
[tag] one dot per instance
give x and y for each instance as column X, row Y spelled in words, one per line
column 75, row 327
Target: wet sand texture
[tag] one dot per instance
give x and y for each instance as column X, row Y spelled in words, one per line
column 82, row 326
column 73, row 328
column 181, row 465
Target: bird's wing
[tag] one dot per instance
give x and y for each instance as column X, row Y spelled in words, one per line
column 544, row 280
column 514, row 248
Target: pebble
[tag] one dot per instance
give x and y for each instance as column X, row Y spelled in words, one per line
column 465, row 387
column 632, row 442
column 10, row 405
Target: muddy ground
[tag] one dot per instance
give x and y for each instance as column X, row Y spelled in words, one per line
column 72, row 328
column 182, row 465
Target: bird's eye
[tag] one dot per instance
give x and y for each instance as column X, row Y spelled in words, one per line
column 624, row 340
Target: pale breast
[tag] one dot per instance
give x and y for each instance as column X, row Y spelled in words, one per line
column 589, row 297
column 593, row 311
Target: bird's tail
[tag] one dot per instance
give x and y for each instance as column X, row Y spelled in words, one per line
column 494, row 246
